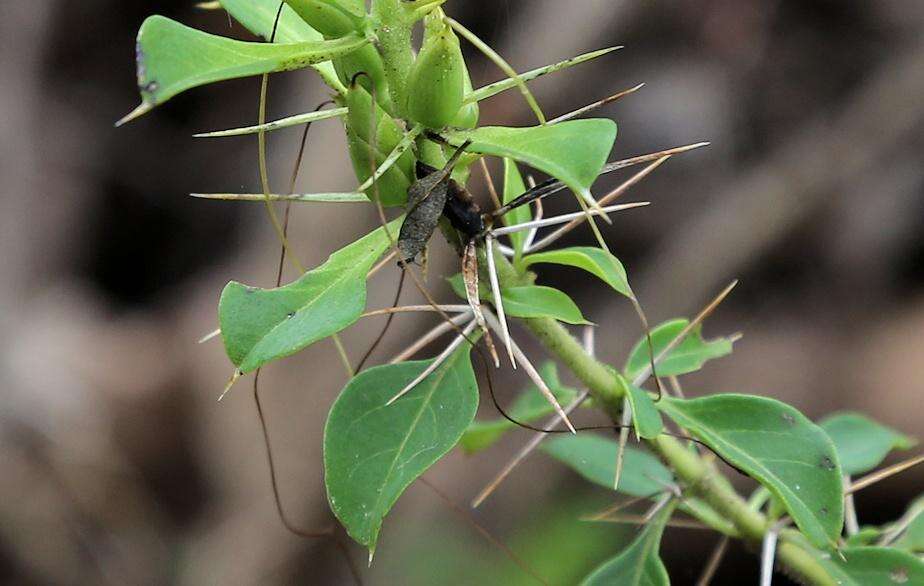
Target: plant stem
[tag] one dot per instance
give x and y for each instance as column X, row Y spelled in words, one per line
column 701, row 478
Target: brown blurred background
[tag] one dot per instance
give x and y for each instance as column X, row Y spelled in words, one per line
column 117, row 465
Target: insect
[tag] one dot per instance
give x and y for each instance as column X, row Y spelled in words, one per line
column 436, row 196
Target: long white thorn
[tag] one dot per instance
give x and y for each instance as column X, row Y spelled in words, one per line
column 531, row 235
column 209, row 336
column 768, row 555
column 430, row 336
column 237, row 374
column 851, row 524
column 496, row 292
column 533, row 374
column 606, row 199
column 506, row 250
column 436, row 362
column 567, row 218
column 277, row 124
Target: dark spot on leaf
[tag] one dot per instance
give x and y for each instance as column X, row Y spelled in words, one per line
column 823, row 511
column 150, row 87
column 827, row 463
column 250, row 290
column 789, row 419
column 899, row 575
column 291, row 314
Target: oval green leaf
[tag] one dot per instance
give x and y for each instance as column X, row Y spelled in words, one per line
column 688, row 356
column 372, row 452
column 595, row 261
column 573, row 152
column 777, row 446
column 594, row 458
column 529, row 406
column 173, row 58
column 261, row 325
column 646, row 419
column 639, row 564
column 530, row 301
column 862, row 444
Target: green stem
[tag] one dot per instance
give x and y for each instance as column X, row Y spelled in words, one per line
column 700, row 476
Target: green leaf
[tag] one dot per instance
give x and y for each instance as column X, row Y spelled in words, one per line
column 594, row 458
column 912, row 538
column 595, row 261
column 529, row 406
column 862, row 444
column 777, row 446
column 538, row 301
column 688, row 356
column 259, row 16
column 639, row 564
column 529, row 301
column 573, row 152
column 261, row 325
column 872, row 566
column 372, row 452
column 645, row 416
column 513, row 188
column 173, row 58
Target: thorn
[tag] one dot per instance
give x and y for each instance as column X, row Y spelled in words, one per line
column 612, row 195
column 417, row 308
column 433, row 334
column 534, row 375
column 879, row 475
column 435, row 364
column 595, row 105
column 498, row 302
column 237, row 374
column 141, row 110
column 209, row 336
column 525, row 451
column 768, row 554
column 566, row 218
column 713, row 564
column 702, row 315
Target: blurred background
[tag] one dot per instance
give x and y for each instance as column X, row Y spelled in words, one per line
column 118, row 466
